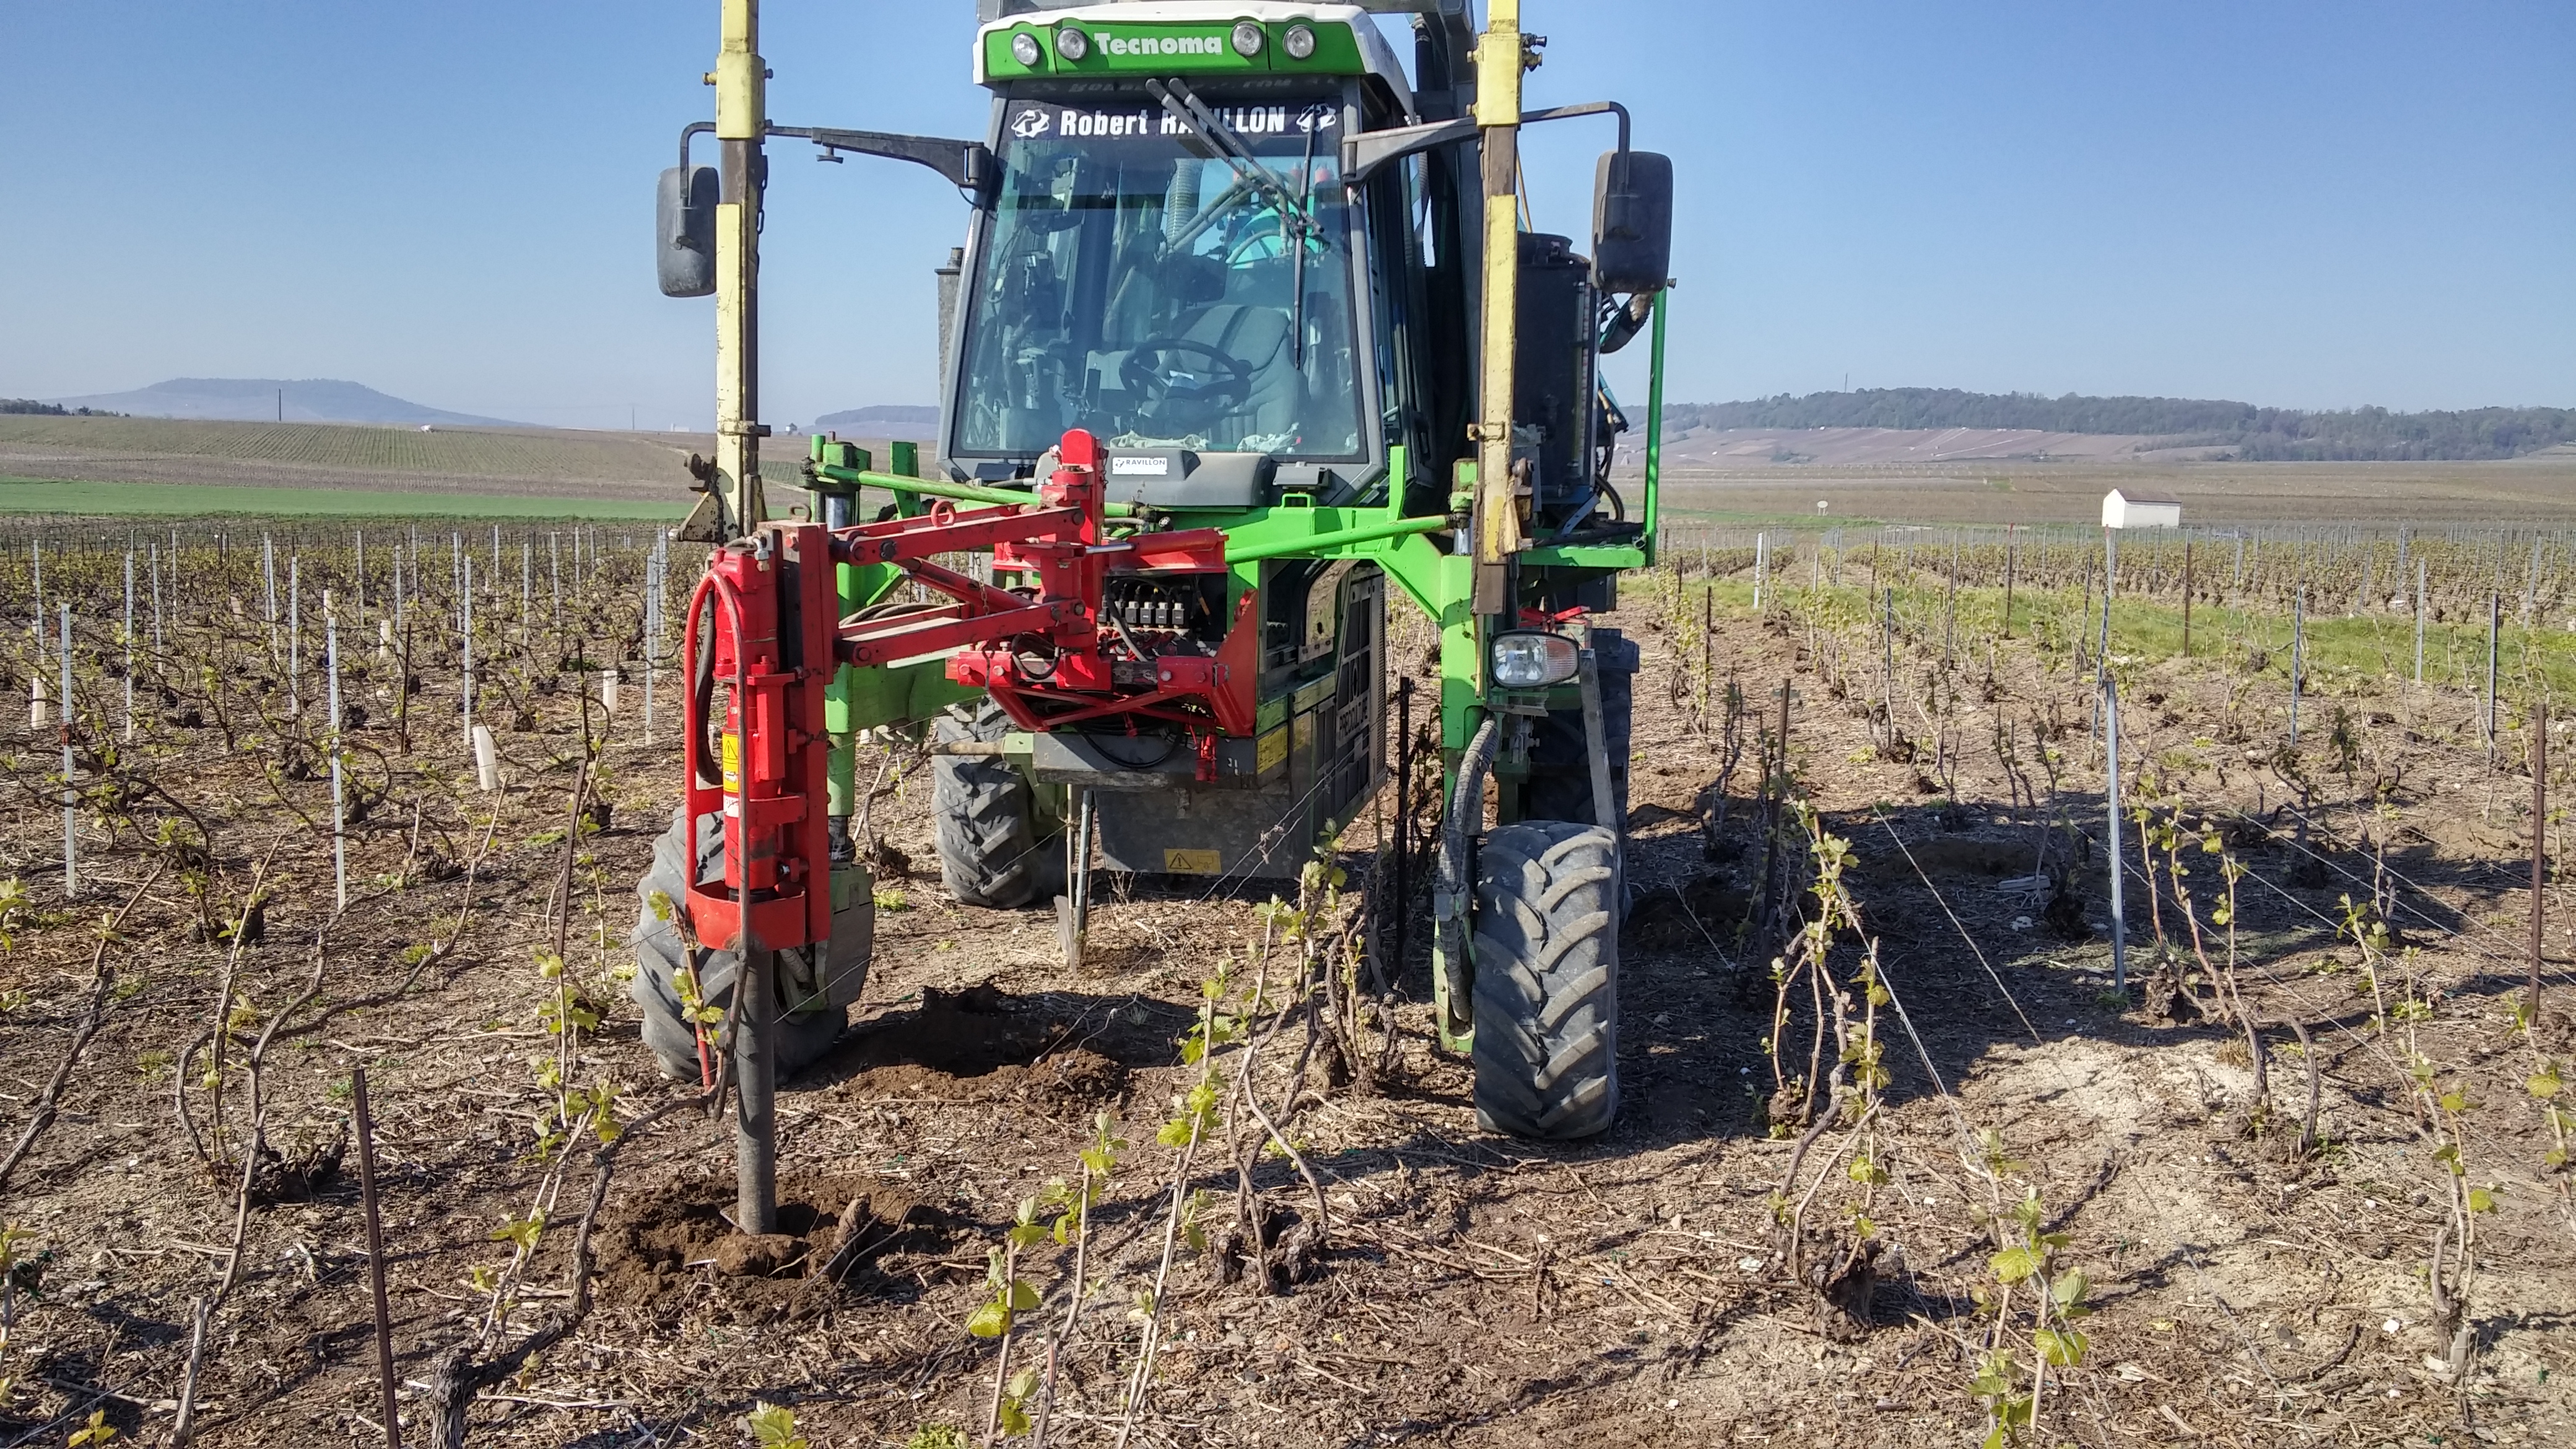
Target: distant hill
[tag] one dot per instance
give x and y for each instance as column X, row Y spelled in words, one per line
column 257, row 399
column 900, row 423
column 2248, row 432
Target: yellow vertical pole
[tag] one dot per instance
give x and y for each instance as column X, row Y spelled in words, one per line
column 741, row 122
column 742, row 119
column 1501, row 55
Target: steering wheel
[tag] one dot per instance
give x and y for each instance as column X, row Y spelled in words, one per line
column 1146, row 372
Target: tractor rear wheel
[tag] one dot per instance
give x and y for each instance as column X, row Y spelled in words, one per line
column 806, row 1028
column 1546, row 956
column 996, row 846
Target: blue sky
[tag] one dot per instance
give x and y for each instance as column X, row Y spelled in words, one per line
column 2312, row 204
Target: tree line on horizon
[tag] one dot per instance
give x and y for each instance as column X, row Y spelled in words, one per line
column 29, row 407
column 2248, row 432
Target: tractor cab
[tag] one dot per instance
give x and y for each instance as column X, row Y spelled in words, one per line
column 1168, row 256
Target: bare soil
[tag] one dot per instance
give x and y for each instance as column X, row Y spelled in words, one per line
column 1472, row 1289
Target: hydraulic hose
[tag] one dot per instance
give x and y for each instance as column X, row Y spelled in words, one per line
column 1453, row 896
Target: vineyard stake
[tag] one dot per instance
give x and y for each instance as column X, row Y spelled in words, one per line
column 375, row 1254
column 71, row 796
column 2111, row 755
column 295, row 635
column 465, row 648
column 129, row 643
column 2298, row 657
column 358, row 538
column 527, row 586
column 2419, row 620
column 2539, row 844
column 36, row 609
column 2495, row 622
column 339, row 809
column 2010, row 544
column 157, row 642
column 268, row 571
column 2186, row 598
column 1887, row 671
column 1761, row 566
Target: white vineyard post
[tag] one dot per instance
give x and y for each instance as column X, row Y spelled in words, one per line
column 339, row 805
column 129, row 643
column 71, row 793
column 465, row 647
column 295, row 635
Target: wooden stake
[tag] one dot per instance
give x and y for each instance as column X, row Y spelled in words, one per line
column 376, row 1256
column 2539, row 845
column 2186, row 598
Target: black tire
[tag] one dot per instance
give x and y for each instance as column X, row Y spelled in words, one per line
column 996, row 846
column 806, row 1029
column 1546, row 994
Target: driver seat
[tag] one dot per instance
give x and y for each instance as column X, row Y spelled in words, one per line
column 1257, row 337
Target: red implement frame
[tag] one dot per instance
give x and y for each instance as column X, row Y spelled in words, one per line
column 776, row 644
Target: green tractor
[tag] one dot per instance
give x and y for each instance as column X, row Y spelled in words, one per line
column 1246, row 336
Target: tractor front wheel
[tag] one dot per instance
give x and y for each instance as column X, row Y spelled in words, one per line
column 997, row 847
column 1546, row 959
column 806, row 1025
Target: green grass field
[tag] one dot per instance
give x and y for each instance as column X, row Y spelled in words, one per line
column 2337, row 653
column 182, row 500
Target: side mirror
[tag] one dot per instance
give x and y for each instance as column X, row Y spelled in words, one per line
column 1632, row 221
column 684, row 231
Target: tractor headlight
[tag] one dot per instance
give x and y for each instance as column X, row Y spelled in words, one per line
column 1025, row 49
column 1247, row 39
column 1299, row 42
column 1071, row 42
column 1534, row 660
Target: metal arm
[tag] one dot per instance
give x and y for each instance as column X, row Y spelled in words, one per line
column 967, row 165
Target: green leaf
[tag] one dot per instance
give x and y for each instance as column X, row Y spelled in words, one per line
column 773, row 1428
column 1023, row 1297
column 2544, row 1083
column 2070, row 1288
column 2062, row 1348
column 1015, row 1420
column 2481, row 1200
column 990, row 1321
column 2014, row 1264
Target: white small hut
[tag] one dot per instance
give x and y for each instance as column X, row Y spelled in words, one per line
column 2136, row 508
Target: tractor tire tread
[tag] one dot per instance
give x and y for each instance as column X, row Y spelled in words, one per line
column 1546, row 980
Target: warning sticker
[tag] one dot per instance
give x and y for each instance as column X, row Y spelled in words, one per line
column 732, row 763
column 1193, row 862
column 1272, row 748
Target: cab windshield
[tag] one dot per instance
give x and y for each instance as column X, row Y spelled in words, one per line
column 1136, row 282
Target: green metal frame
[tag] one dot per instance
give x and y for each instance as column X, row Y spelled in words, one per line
column 1439, row 583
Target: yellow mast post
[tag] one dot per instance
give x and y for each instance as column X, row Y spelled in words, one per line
column 1502, row 53
column 742, row 119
